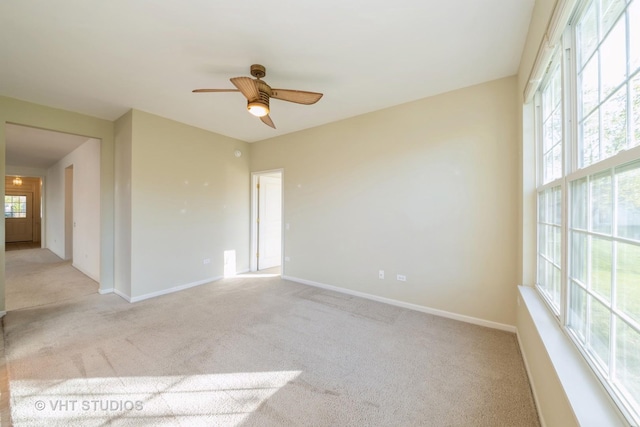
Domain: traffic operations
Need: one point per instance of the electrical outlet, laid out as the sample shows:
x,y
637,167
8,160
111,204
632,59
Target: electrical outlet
x,y
206,261
381,274
402,277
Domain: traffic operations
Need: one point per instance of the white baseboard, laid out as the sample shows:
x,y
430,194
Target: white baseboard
x,y
2,313
106,291
122,295
86,273
170,290
410,306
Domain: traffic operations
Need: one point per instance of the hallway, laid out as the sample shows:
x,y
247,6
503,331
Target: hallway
x,y
35,277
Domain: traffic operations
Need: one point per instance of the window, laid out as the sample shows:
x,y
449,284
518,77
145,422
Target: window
x,y
604,278
550,113
588,121
15,206
608,79
552,125
550,245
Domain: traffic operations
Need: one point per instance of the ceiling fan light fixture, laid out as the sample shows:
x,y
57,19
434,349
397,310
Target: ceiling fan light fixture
x,y
258,108
258,93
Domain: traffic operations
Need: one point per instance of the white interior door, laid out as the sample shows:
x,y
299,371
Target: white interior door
x,y
269,220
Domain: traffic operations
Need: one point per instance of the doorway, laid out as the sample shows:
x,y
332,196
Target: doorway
x,y
22,210
266,220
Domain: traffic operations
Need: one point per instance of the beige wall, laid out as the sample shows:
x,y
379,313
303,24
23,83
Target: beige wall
x,y
25,113
123,141
189,202
426,189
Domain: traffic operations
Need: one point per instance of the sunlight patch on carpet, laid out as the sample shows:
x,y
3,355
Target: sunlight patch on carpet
x,y
227,399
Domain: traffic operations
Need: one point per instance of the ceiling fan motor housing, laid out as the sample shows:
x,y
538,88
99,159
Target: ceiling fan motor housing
x,y
264,94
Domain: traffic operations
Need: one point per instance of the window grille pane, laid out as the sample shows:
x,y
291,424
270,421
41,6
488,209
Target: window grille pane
x,y
627,374
579,193
555,292
590,151
589,87
601,203
556,126
550,244
547,129
544,240
579,257
609,12
577,318
557,161
549,205
557,205
614,123
552,125
634,36
557,248
601,253
587,33
542,271
635,106
628,280
628,201
614,59
548,167
599,330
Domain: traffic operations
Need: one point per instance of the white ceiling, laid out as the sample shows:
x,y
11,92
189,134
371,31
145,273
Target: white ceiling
x,y
38,148
102,58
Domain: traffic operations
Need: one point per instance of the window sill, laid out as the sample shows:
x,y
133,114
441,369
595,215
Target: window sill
x,y
589,401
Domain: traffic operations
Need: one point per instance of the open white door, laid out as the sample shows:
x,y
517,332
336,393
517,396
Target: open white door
x,y
269,220
266,219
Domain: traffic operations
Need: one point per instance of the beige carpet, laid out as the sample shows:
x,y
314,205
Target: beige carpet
x,y
37,276
258,351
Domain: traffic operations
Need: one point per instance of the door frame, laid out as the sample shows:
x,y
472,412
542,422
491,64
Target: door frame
x,y
253,259
69,212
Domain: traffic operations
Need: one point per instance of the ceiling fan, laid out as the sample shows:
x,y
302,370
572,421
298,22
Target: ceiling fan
x,y
258,93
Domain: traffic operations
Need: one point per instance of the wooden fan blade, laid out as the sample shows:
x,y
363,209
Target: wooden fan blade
x,y
247,86
267,121
297,96
214,90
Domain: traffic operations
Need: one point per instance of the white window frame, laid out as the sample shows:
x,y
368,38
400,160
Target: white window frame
x,y
556,59
571,172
